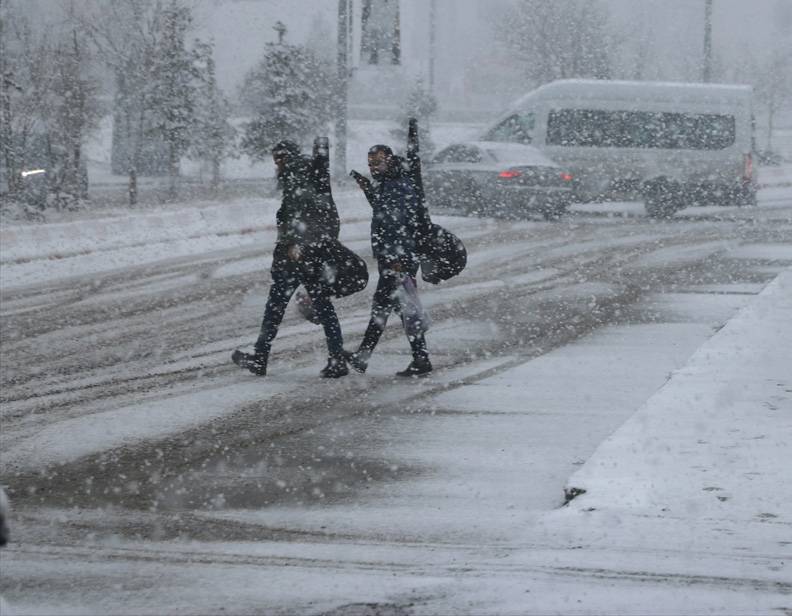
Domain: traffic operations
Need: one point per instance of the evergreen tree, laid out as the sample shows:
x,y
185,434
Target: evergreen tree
x,y
124,32
73,111
421,105
213,136
173,76
289,94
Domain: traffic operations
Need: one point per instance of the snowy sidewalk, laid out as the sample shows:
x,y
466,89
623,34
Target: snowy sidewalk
x,y
692,493
717,438
687,507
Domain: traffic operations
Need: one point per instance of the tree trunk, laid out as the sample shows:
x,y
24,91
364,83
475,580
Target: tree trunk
x,y
135,159
173,172
133,192
215,183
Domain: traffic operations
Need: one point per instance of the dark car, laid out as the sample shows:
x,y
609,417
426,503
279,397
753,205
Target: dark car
x,y
490,177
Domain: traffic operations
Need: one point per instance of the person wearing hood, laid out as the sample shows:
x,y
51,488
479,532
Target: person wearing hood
x,y
307,223
396,224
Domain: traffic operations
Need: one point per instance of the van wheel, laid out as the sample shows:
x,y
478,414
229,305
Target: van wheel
x,y
745,196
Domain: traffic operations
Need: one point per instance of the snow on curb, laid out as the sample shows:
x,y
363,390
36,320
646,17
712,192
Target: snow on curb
x,y
771,177
716,439
27,242
21,243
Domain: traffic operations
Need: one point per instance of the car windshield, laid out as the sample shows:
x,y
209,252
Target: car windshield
x,y
518,128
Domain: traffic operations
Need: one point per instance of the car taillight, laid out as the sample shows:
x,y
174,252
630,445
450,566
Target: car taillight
x,y
567,177
509,173
747,167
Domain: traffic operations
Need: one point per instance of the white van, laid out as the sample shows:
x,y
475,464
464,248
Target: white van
x,y
674,144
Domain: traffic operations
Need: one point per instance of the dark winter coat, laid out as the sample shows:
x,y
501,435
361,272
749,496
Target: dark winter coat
x,y
396,218
308,218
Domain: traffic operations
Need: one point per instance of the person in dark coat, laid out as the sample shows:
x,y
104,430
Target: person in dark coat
x,y
396,223
307,223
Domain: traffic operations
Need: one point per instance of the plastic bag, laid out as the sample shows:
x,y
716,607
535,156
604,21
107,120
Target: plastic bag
x,y
414,316
305,307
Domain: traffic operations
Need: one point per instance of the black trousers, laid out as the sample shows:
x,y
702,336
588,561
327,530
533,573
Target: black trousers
x,y
286,277
386,300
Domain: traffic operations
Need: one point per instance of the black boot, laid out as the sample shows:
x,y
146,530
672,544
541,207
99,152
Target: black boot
x,y
336,367
358,360
417,367
256,363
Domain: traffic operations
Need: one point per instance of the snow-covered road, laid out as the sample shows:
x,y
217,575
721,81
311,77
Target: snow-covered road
x,y
149,475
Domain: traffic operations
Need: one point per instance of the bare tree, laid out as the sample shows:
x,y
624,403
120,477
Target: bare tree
x,y
125,35
73,110
559,40
49,105
770,72
771,77
9,88
25,82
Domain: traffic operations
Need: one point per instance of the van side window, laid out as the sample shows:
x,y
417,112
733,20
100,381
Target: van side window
x,y
518,128
640,129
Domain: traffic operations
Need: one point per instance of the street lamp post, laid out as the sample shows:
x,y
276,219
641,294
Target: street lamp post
x,y
706,73
432,43
341,95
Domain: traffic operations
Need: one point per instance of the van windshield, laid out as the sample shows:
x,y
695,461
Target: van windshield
x,y
517,128
640,129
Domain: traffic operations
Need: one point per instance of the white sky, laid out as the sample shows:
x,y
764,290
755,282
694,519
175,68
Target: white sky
x,y
242,27
672,28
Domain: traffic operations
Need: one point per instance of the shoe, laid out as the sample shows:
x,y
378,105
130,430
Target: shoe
x,y
417,367
358,360
336,367
255,363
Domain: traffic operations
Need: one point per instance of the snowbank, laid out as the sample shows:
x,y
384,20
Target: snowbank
x,y
25,242
716,440
775,176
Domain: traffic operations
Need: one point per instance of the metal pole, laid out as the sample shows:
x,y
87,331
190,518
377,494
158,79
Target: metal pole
x,y
432,45
341,96
707,70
